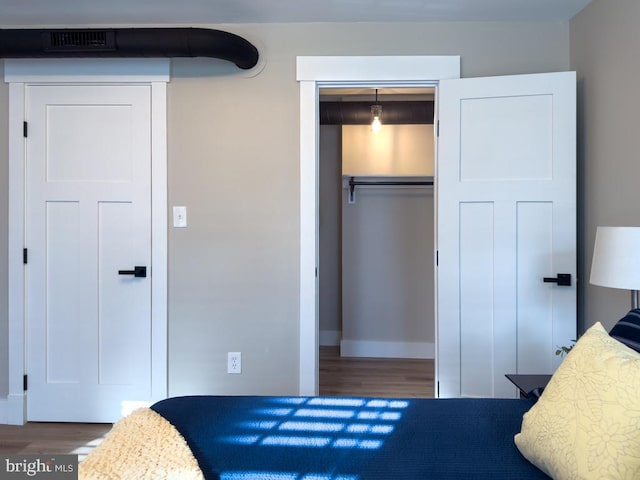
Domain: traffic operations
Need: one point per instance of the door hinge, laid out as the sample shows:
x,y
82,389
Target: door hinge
x,y
437,128
316,272
25,382
438,390
437,257
25,256
24,129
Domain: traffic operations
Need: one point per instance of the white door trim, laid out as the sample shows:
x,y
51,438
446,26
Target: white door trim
x,y
21,73
327,72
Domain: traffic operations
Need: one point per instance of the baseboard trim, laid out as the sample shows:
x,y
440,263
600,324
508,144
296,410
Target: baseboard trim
x,y
364,348
329,338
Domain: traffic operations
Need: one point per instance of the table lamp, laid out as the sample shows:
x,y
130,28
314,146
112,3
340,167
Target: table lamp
x,y
616,259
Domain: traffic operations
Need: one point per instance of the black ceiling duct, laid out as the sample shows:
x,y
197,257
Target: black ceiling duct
x,y
127,42
393,113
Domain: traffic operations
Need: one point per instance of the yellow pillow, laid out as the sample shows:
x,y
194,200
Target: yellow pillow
x,y
586,425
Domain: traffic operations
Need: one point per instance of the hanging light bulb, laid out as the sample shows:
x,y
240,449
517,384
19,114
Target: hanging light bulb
x,y
376,114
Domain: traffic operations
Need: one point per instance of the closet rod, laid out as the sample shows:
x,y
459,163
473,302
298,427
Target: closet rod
x,y
356,183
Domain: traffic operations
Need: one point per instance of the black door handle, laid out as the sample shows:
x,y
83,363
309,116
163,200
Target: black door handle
x,y
140,272
563,280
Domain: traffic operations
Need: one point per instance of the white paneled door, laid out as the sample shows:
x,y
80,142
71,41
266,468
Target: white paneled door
x,y
88,168
506,220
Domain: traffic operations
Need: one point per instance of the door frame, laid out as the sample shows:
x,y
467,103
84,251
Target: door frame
x,y
21,73
314,73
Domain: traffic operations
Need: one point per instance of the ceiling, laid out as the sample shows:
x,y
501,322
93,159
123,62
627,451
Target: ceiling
x,y
15,13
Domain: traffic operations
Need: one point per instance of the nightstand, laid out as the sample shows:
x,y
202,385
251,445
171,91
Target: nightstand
x,y
527,383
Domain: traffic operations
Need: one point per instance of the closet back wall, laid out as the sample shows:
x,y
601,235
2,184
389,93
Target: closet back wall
x,y
387,273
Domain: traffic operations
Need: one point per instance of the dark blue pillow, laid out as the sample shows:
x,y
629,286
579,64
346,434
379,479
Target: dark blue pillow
x,y
627,330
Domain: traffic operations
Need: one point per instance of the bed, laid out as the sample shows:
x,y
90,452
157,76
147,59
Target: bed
x,y
331,438
351,438
586,425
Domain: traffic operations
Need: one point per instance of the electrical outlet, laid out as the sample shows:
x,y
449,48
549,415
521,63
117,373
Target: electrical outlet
x,y
234,362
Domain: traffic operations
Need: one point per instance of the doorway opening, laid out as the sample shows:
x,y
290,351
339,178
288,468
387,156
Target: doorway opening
x,y
314,73
376,242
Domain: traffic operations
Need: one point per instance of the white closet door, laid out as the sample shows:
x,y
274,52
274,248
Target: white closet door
x,y
88,217
506,219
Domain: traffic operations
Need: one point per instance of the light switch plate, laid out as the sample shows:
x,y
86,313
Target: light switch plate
x,y
180,217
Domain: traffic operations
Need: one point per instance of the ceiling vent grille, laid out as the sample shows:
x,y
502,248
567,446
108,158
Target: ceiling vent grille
x,y
80,40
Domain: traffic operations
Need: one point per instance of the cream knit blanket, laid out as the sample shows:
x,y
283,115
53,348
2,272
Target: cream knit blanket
x,y
142,446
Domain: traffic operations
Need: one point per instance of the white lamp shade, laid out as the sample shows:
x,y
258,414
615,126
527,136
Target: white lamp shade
x,y
616,258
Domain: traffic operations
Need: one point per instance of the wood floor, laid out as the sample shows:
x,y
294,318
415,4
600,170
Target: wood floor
x,y
338,377
41,438
374,377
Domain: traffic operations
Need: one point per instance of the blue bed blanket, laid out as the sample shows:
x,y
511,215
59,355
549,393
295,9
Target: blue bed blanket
x,y
331,438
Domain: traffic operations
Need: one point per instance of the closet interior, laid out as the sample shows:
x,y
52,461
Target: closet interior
x,y
376,251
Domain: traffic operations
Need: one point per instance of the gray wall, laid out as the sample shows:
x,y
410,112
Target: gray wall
x,y
330,232
604,46
388,272
234,271
233,145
